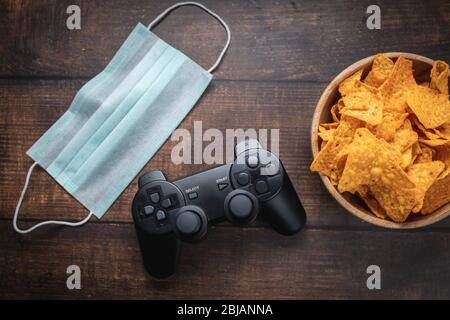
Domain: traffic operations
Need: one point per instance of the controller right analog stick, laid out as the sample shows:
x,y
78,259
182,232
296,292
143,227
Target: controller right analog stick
x,y
241,207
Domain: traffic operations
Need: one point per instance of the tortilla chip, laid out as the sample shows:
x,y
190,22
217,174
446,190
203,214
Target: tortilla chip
x,y
373,205
326,134
416,152
426,155
396,199
335,113
340,105
433,142
431,108
351,83
368,159
406,158
381,68
390,124
362,153
443,131
429,133
424,175
373,162
331,125
443,154
393,89
405,136
329,157
439,77
437,195
416,149
363,104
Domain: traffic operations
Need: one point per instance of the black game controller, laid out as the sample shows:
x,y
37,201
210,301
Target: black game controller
x,y
166,213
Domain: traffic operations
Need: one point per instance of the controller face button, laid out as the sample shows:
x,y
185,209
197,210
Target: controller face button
x,y
166,203
252,161
243,178
154,197
261,187
222,186
160,215
270,170
188,223
192,195
148,210
241,206
265,158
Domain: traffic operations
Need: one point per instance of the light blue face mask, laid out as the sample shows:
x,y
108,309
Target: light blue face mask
x,y
119,119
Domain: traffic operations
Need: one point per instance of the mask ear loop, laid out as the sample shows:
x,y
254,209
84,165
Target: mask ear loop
x,y
19,204
199,5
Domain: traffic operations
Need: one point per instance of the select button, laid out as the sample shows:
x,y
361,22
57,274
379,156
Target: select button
x,y
192,195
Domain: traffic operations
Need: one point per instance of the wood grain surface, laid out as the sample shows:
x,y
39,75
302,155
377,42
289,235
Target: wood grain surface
x,y
282,56
247,263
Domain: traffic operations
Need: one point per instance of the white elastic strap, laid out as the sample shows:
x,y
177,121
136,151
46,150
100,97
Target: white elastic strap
x,y
19,203
196,4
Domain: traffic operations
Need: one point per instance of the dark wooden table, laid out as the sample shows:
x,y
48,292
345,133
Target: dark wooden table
x,y
282,56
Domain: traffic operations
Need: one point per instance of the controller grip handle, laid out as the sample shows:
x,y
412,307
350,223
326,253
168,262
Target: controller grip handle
x,y
159,252
284,212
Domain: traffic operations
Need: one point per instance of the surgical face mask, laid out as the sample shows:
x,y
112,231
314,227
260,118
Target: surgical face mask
x,y
119,119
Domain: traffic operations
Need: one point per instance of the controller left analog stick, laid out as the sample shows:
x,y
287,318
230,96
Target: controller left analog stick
x,y
191,223
188,223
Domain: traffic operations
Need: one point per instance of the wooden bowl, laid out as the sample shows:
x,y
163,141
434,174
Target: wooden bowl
x,y
352,203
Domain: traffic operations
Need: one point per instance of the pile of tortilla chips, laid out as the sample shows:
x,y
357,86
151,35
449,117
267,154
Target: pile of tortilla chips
x,y
389,141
